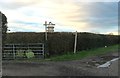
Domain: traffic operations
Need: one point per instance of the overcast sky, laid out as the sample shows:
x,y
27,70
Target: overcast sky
x,y
68,15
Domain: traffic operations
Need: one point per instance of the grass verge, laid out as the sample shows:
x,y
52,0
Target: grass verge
x,y
86,53
79,55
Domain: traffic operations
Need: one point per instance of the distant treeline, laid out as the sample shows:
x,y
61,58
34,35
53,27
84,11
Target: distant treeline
x,y
63,42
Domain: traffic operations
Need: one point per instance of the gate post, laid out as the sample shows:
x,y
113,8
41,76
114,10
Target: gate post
x,y
43,50
0,44
13,51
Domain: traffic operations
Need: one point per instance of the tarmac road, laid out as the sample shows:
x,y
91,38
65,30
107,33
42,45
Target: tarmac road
x,y
64,68
40,69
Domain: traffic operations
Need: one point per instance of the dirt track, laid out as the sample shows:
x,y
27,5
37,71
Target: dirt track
x,y
65,68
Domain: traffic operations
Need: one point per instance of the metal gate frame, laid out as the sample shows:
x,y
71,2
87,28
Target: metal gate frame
x,y
10,50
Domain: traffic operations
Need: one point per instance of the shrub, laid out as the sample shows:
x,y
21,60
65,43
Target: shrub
x,y
30,54
20,54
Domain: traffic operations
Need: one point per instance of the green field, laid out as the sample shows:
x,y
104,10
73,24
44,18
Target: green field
x,y
86,53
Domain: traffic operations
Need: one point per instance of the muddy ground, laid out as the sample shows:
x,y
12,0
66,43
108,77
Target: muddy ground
x,y
84,67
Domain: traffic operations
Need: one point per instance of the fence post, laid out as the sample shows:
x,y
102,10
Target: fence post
x,y
13,51
75,42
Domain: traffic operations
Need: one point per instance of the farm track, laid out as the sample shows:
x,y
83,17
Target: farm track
x,y
82,67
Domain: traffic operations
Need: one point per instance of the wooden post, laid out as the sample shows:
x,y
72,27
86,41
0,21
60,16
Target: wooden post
x,y
45,30
75,42
46,51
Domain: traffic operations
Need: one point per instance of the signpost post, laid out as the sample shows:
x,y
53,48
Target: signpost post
x,y
45,30
48,28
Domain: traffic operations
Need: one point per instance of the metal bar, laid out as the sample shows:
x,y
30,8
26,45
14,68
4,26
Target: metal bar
x,y
13,48
24,44
24,47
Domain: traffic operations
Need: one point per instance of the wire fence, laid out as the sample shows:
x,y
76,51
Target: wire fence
x,y
23,51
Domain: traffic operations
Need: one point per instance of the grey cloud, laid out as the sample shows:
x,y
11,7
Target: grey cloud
x,y
98,14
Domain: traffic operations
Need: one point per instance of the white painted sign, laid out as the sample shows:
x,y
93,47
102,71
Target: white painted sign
x,y
107,64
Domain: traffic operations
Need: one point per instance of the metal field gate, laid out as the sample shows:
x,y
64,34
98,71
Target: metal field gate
x,y
19,51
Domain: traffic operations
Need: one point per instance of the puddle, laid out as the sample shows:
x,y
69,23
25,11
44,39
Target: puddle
x,y
107,58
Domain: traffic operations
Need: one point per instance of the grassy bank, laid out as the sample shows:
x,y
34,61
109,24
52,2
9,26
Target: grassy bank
x,y
86,53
